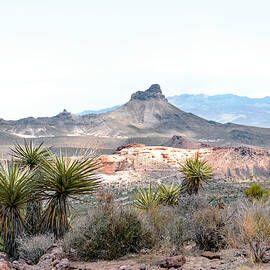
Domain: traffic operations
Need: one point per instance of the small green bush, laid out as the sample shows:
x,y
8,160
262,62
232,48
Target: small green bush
x,y
32,248
256,192
109,235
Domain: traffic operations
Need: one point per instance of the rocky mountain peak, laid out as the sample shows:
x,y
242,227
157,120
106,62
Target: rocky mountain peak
x,y
154,92
64,114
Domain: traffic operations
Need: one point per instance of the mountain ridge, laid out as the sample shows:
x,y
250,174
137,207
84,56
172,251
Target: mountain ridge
x,y
235,109
147,114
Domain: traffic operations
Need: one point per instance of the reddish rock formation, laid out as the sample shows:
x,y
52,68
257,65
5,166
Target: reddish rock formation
x,y
228,162
114,163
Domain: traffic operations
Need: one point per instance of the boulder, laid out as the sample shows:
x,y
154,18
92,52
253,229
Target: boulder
x,y
211,255
64,264
175,261
4,265
143,267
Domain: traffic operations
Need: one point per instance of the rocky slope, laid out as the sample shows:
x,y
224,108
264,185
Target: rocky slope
x,y
148,114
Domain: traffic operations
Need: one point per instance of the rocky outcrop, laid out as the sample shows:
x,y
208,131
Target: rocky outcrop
x,y
154,92
114,163
232,163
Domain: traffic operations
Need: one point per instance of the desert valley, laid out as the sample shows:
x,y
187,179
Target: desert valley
x,y
134,135
143,149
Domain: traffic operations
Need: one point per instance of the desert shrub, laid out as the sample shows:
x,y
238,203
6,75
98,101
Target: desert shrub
x,y
218,202
166,225
175,233
210,228
256,192
32,248
254,231
109,233
189,204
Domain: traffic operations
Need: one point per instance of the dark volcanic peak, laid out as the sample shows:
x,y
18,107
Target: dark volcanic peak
x,y
154,92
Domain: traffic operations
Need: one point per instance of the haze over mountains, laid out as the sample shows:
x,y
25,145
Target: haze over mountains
x,y
226,108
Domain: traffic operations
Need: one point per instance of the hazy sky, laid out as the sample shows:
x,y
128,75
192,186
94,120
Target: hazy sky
x,y
91,54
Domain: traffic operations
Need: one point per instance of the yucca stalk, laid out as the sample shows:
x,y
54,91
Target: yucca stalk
x,y
196,173
29,156
169,195
16,189
62,180
146,199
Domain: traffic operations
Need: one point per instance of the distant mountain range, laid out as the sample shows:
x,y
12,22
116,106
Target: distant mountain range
x,y
99,111
226,108
148,114
220,108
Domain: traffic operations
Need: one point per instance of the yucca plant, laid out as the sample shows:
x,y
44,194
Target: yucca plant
x,y
29,156
62,180
169,195
196,173
16,190
146,199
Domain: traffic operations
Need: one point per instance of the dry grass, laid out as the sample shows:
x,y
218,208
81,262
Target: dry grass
x,y
254,228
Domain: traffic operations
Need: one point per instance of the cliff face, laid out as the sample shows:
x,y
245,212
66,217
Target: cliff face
x,y
232,163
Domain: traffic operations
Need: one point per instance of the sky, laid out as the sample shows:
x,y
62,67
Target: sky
x,y
93,54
